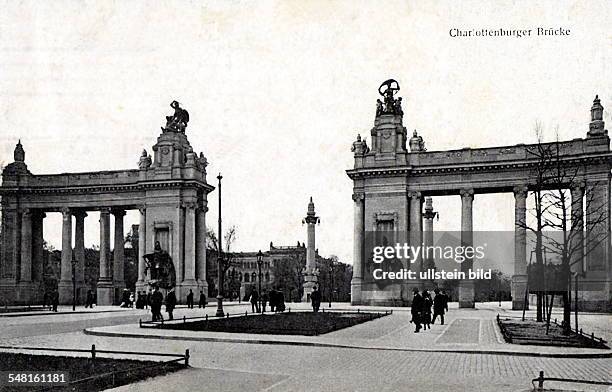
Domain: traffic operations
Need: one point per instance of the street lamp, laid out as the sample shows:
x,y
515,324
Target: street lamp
x,y
259,261
220,312
331,285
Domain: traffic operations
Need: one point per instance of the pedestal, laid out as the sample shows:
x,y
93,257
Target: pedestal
x,y
517,288
356,292
466,294
65,291
105,292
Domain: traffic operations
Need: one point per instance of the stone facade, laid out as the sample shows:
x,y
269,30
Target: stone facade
x,y
169,190
392,177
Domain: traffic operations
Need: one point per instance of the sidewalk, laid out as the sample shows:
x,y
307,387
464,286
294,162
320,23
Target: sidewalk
x,y
465,331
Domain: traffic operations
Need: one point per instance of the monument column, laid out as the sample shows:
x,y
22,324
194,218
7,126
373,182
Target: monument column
x,y
105,283
358,243
416,228
119,251
142,249
79,246
64,286
26,247
428,218
37,246
201,248
519,278
311,273
466,286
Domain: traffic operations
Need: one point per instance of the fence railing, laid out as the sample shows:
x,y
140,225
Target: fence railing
x,y
94,354
597,341
184,319
540,380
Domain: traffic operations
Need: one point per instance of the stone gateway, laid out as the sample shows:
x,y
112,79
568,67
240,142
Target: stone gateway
x,y
169,190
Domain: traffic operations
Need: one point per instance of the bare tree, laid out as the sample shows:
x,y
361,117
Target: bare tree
x,y
228,259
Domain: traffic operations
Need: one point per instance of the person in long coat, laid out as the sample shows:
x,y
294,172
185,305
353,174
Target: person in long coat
x,y
170,303
315,298
202,301
440,305
417,309
254,301
157,299
427,303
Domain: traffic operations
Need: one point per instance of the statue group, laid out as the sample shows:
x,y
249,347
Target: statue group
x,y
391,105
178,121
159,267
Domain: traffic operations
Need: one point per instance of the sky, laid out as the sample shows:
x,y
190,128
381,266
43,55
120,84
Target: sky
x,y
277,92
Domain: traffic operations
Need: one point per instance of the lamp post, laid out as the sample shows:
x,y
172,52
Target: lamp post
x,y
220,312
259,261
73,263
331,284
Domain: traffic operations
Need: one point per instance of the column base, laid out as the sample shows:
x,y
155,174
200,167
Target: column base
x,y
517,289
105,292
183,290
308,289
356,291
203,286
65,291
466,294
27,293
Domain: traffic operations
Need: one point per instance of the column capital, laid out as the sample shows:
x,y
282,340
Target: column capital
x,y
520,191
26,211
80,214
105,210
578,187
66,212
415,195
358,196
190,205
142,209
467,193
118,212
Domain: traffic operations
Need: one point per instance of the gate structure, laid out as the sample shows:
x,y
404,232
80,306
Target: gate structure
x,y
391,181
169,190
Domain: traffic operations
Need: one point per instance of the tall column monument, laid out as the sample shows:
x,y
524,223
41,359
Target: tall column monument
x,y
311,272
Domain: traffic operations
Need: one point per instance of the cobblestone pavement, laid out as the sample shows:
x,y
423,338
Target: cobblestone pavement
x,y
255,367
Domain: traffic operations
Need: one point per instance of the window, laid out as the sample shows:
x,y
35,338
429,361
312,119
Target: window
x,y
246,278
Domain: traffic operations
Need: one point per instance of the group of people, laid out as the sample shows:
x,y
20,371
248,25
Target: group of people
x,y
275,298
421,308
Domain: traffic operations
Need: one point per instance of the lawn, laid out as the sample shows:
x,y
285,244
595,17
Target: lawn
x,y
288,323
80,368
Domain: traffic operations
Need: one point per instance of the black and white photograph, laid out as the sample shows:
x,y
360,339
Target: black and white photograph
x,y
279,195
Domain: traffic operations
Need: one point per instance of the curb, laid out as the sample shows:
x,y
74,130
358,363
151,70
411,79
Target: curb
x,y
87,331
50,313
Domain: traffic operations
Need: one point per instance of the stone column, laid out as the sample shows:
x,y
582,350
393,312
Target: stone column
x,y
358,243
577,229
189,281
119,251
64,286
416,227
79,246
519,278
142,249
37,247
105,283
466,286
26,246
428,218
597,225
201,248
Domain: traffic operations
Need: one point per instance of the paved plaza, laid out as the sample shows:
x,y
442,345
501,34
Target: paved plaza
x,y
383,355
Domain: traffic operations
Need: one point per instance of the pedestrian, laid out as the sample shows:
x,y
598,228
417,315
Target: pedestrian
x,y
416,309
272,298
280,301
170,303
148,299
131,300
427,303
254,301
202,301
315,298
264,300
55,300
190,299
89,300
156,303
440,304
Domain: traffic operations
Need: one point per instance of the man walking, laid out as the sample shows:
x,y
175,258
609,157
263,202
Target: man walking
x,y
156,303
315,298
170,303
440,305
254,301
416,309
202,301
190,299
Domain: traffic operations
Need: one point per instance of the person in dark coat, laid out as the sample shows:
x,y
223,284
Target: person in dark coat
x,y
157,299
55,300
315,298
89,300
254,301
264,300
417,309
202,301
440,304
427,303
280,301
272,298
148,300
170,303
190,299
